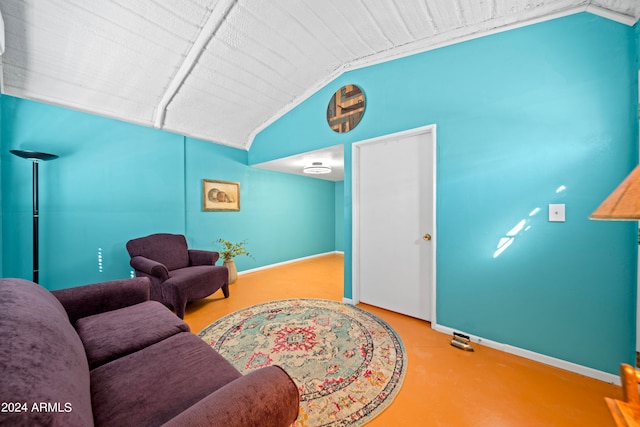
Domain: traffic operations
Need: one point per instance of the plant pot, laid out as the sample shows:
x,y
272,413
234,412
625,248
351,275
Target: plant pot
x,y
233,273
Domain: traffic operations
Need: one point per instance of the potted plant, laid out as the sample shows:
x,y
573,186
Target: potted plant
x,y
229,252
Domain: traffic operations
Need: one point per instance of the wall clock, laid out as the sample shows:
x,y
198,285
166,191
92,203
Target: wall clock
x,y
346,108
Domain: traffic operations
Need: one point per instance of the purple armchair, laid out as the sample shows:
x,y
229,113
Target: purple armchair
x,y
178,274
104,355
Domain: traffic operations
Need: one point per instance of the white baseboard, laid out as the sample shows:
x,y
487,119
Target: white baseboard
x,y
264,267
527,354
347,301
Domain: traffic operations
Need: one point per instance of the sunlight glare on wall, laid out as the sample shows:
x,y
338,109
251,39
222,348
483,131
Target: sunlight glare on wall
x,y
511,235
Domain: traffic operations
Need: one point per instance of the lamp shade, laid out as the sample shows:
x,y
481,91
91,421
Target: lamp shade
x,y
33,155
624,202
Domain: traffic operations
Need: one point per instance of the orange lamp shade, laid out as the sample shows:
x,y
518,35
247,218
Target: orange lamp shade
x,y
624,202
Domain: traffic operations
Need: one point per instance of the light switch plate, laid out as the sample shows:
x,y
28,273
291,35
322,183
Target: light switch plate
x,y
556,213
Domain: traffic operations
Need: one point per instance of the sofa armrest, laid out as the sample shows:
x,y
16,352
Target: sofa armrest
x,y
263,398
199,257
83,301
150,267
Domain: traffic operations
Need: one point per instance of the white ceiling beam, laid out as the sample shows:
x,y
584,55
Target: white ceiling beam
x,y
610,14
217,17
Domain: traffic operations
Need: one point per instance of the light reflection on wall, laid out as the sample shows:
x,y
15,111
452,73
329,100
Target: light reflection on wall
x,y
522,226
507,241
99,260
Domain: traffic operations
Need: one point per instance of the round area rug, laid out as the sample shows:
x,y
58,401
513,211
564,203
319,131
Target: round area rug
x,y
348,363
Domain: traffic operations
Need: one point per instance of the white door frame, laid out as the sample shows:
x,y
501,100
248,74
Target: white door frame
x,y
355,214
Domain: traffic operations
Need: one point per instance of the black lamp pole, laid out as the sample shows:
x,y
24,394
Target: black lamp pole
x,y
35,157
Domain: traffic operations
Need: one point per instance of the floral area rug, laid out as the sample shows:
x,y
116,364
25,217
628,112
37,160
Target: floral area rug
x,y
348,363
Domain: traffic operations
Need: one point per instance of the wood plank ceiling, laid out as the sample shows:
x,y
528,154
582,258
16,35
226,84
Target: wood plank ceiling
x,y
221,70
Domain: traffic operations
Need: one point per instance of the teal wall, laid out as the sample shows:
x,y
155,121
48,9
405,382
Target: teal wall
x,y
637,28
282,216
537,115
339,213
115,181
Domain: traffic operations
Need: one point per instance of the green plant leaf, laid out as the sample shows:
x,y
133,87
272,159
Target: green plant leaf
x,y
231,250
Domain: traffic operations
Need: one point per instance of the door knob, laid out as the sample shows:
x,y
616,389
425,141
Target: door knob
x,y
427,237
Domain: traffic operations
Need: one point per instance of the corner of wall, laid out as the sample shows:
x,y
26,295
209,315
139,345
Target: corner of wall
x,y
637,45
339,216
1,208
637,88
637,29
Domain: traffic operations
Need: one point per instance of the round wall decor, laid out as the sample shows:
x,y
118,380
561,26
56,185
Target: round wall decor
x,y
346,108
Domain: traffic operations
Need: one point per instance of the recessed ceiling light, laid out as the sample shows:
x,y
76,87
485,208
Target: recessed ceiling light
x,y
316,168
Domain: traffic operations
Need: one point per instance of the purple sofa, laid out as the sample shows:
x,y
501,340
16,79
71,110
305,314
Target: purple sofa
x,y
106,355
178,274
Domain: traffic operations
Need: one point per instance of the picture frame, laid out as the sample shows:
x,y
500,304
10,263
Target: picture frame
x,y
218,196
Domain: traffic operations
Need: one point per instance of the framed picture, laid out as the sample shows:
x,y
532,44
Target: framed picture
x,y
220,195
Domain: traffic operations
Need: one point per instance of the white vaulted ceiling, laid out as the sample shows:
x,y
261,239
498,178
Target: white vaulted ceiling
x,y
221,70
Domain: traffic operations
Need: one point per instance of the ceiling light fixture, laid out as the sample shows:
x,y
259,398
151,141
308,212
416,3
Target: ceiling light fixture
x,y
317,168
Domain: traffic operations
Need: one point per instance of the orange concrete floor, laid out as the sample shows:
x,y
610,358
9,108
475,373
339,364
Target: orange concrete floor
x,y
444,386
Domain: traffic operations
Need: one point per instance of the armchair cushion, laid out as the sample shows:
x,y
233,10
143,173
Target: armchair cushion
x,y
113,334
158,398
198,281
167,249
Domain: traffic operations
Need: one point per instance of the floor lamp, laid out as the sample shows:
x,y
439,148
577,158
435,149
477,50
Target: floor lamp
x,y
35,157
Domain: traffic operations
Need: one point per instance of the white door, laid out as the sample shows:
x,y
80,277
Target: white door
x,y
394,222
